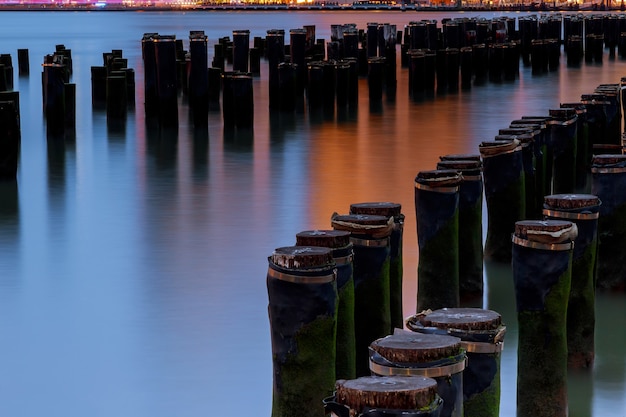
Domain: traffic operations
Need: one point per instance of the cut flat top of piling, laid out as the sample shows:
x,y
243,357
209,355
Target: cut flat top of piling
x,y
460,157
546,231
327,238
439,177
462,318
302,257
382,208
462,165
608,160
571,201
390,392
497,147
408,347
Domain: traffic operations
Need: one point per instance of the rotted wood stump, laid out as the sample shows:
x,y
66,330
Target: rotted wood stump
x,y
401,396
440,357
482,336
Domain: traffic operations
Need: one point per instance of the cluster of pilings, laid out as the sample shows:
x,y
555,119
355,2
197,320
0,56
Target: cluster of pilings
x,y
113,85
59,95
551,185
339,291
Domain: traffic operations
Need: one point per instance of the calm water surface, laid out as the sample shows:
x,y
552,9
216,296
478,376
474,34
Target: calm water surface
x,y
132,265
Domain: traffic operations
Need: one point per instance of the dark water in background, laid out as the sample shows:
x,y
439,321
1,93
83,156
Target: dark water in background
x,y
132,266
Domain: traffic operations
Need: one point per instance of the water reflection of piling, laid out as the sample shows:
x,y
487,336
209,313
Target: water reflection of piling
x,y
542,261
302,292
343,255
372,315
437,215
583,210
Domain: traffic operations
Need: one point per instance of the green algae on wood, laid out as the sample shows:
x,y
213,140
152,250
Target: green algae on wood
x,y
581,209
482,335
542,267
437,215
390,210
608,174
342,251
470,223
302,292
372,314
503,175
424,355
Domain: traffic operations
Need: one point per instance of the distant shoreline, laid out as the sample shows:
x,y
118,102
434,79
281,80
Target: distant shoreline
x,y
544,7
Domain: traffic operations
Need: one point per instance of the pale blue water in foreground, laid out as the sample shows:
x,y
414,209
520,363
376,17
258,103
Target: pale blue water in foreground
x,y
132,267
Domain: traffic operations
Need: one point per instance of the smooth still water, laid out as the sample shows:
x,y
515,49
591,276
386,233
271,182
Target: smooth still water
x,y
132,266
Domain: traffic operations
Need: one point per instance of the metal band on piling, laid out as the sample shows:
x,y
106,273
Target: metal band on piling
x,y
546,246
435,372
482,347
299,279
447,190
570,216
372,243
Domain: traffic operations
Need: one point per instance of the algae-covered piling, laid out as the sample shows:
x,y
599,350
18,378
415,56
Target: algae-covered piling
x,y
302,292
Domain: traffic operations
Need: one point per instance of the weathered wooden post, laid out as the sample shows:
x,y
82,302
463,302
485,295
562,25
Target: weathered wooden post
x,y
23,62
199,78
10,138
343,255
167,91
503,175
148,53
392,211
470,223
583,210
241,50
302,292
372,315
437,215
410,354
542,267
526,139
297,51
564,135
275,55
376,78
608,182
482,336
396,395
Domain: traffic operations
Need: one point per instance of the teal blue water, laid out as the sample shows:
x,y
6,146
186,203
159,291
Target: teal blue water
x,y
132,265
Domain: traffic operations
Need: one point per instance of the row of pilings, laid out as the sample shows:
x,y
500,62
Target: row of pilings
x,y
566,171
305,73
559,225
